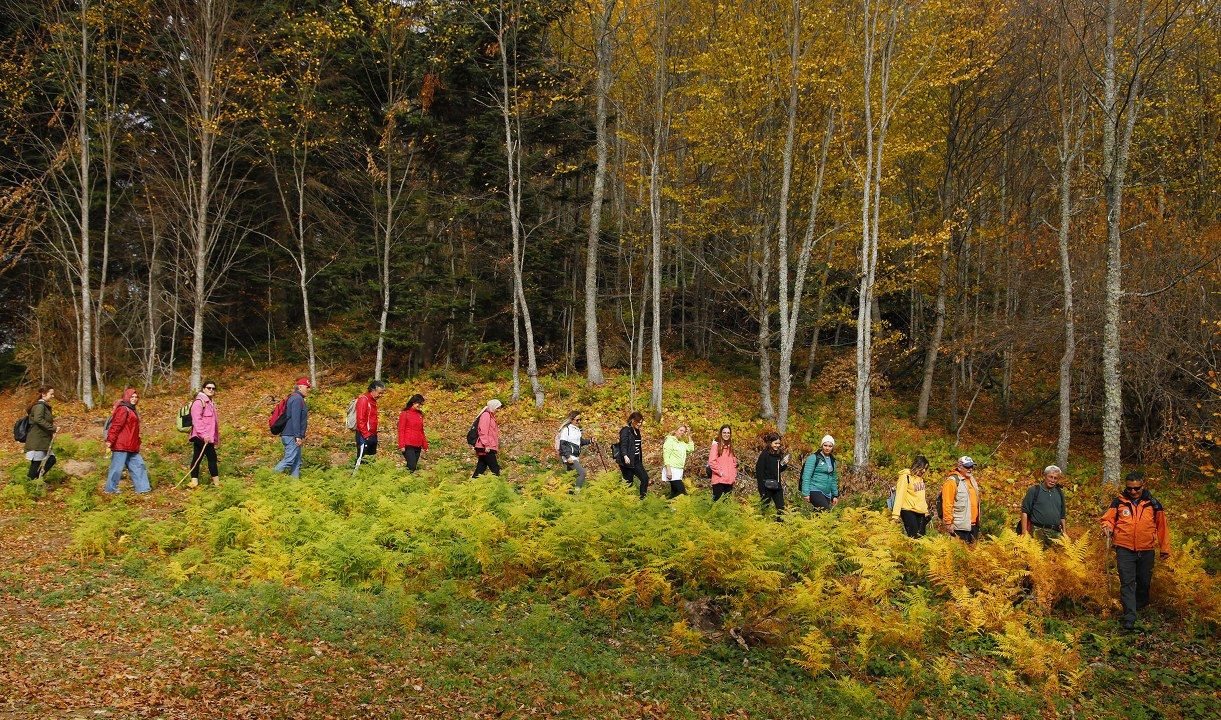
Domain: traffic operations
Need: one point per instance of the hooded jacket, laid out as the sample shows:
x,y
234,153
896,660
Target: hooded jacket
x,y
42,427
489,431
724,465
124,433
204,423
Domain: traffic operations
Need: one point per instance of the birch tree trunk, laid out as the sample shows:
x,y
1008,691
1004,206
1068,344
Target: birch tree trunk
x,y
510,114
790,308
660,127
603,58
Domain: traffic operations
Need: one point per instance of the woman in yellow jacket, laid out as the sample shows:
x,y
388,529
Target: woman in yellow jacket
x,y
911,504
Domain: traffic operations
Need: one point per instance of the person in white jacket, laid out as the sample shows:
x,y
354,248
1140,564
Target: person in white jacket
x,y
568,443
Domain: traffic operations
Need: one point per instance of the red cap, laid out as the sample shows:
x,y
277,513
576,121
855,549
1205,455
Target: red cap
x,y
304,381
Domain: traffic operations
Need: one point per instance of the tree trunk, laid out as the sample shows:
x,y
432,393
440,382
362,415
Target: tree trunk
x,y
603,59
934,342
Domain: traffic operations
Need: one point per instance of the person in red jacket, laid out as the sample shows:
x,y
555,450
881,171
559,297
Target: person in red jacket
x,y
1135,524
412,442
366,421
123,442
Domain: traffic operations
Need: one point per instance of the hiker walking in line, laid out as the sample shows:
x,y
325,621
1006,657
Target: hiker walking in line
x,y
1135,525
631,453
674,459
960,501
820,476
1043,510
205,433
487,439
296,417
366,421
722,463
42,430
771,463
412,442
568,444
123,442
911,503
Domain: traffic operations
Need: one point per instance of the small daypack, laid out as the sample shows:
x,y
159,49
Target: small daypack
x,y
890,501
472,435
617,453
184,423
279,418
21,428
349,416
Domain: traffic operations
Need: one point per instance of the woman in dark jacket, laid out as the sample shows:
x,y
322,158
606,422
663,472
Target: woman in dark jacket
x,y
42,429
631,464
412,442
772,461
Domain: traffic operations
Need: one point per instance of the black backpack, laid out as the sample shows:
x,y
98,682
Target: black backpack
x,y
472,435
21,429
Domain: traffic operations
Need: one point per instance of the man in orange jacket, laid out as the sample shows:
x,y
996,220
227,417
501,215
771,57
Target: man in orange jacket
x,y
1136,526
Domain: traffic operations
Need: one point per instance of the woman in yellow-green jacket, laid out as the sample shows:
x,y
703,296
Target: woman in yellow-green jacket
x,y
911,504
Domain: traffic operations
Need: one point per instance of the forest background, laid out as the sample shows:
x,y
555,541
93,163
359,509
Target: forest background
x,y
932,214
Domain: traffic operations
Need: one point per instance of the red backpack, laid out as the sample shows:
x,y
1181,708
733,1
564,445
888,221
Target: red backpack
x,y
278,418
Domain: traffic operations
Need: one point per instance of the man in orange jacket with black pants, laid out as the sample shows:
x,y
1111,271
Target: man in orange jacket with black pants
x,y
1136,526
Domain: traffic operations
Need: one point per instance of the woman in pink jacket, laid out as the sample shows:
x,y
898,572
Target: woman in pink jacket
x,y
488,442
205,433
722,463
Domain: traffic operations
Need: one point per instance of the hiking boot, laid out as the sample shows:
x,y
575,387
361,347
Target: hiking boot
x,y
194,483
215,482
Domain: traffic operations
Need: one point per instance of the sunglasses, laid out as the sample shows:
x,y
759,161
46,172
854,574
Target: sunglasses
x,y
1134,488
210,387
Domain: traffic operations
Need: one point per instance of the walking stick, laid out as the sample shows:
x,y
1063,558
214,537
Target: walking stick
x,y
597,448
50,444
193,465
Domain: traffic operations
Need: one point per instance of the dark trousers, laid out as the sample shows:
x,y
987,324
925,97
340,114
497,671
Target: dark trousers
x,y
719,489
487,461
968,535
677,488
201,449
914,523
412,456
1135,573
773,496
369,443
634,472
819,501
42,467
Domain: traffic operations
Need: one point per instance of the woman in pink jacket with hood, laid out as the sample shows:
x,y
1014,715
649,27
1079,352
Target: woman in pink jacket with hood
x,y
205,433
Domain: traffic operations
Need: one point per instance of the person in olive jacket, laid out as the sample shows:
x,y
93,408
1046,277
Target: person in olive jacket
x,y
38,438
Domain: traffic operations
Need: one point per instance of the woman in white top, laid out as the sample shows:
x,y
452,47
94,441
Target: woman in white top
x,y
568,444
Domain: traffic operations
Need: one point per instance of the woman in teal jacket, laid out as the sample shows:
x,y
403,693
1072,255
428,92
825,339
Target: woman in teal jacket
x,y
820,477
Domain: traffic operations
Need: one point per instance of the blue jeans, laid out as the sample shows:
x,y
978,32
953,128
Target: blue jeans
x,y
135,468
292,457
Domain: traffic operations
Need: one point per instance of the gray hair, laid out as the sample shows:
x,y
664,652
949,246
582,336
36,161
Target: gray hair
x,y
1052,469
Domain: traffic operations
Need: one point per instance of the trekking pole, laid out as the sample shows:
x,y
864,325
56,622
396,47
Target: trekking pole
x,y
193,465
50,444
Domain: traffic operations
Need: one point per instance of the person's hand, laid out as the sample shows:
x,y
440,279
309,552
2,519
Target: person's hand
x,y
949,528
1107,531
1165,556
835,501
299,441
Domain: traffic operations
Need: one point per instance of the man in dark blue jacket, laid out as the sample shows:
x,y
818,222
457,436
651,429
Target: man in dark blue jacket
x,y
293,435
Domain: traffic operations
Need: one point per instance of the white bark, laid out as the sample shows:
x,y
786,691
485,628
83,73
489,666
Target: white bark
x,y
790,308
603,56
660,128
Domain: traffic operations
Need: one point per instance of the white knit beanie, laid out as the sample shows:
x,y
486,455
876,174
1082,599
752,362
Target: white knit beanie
x,y
494,404
827,439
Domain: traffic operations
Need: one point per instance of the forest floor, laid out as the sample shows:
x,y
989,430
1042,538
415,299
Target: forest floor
x,y
116,628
